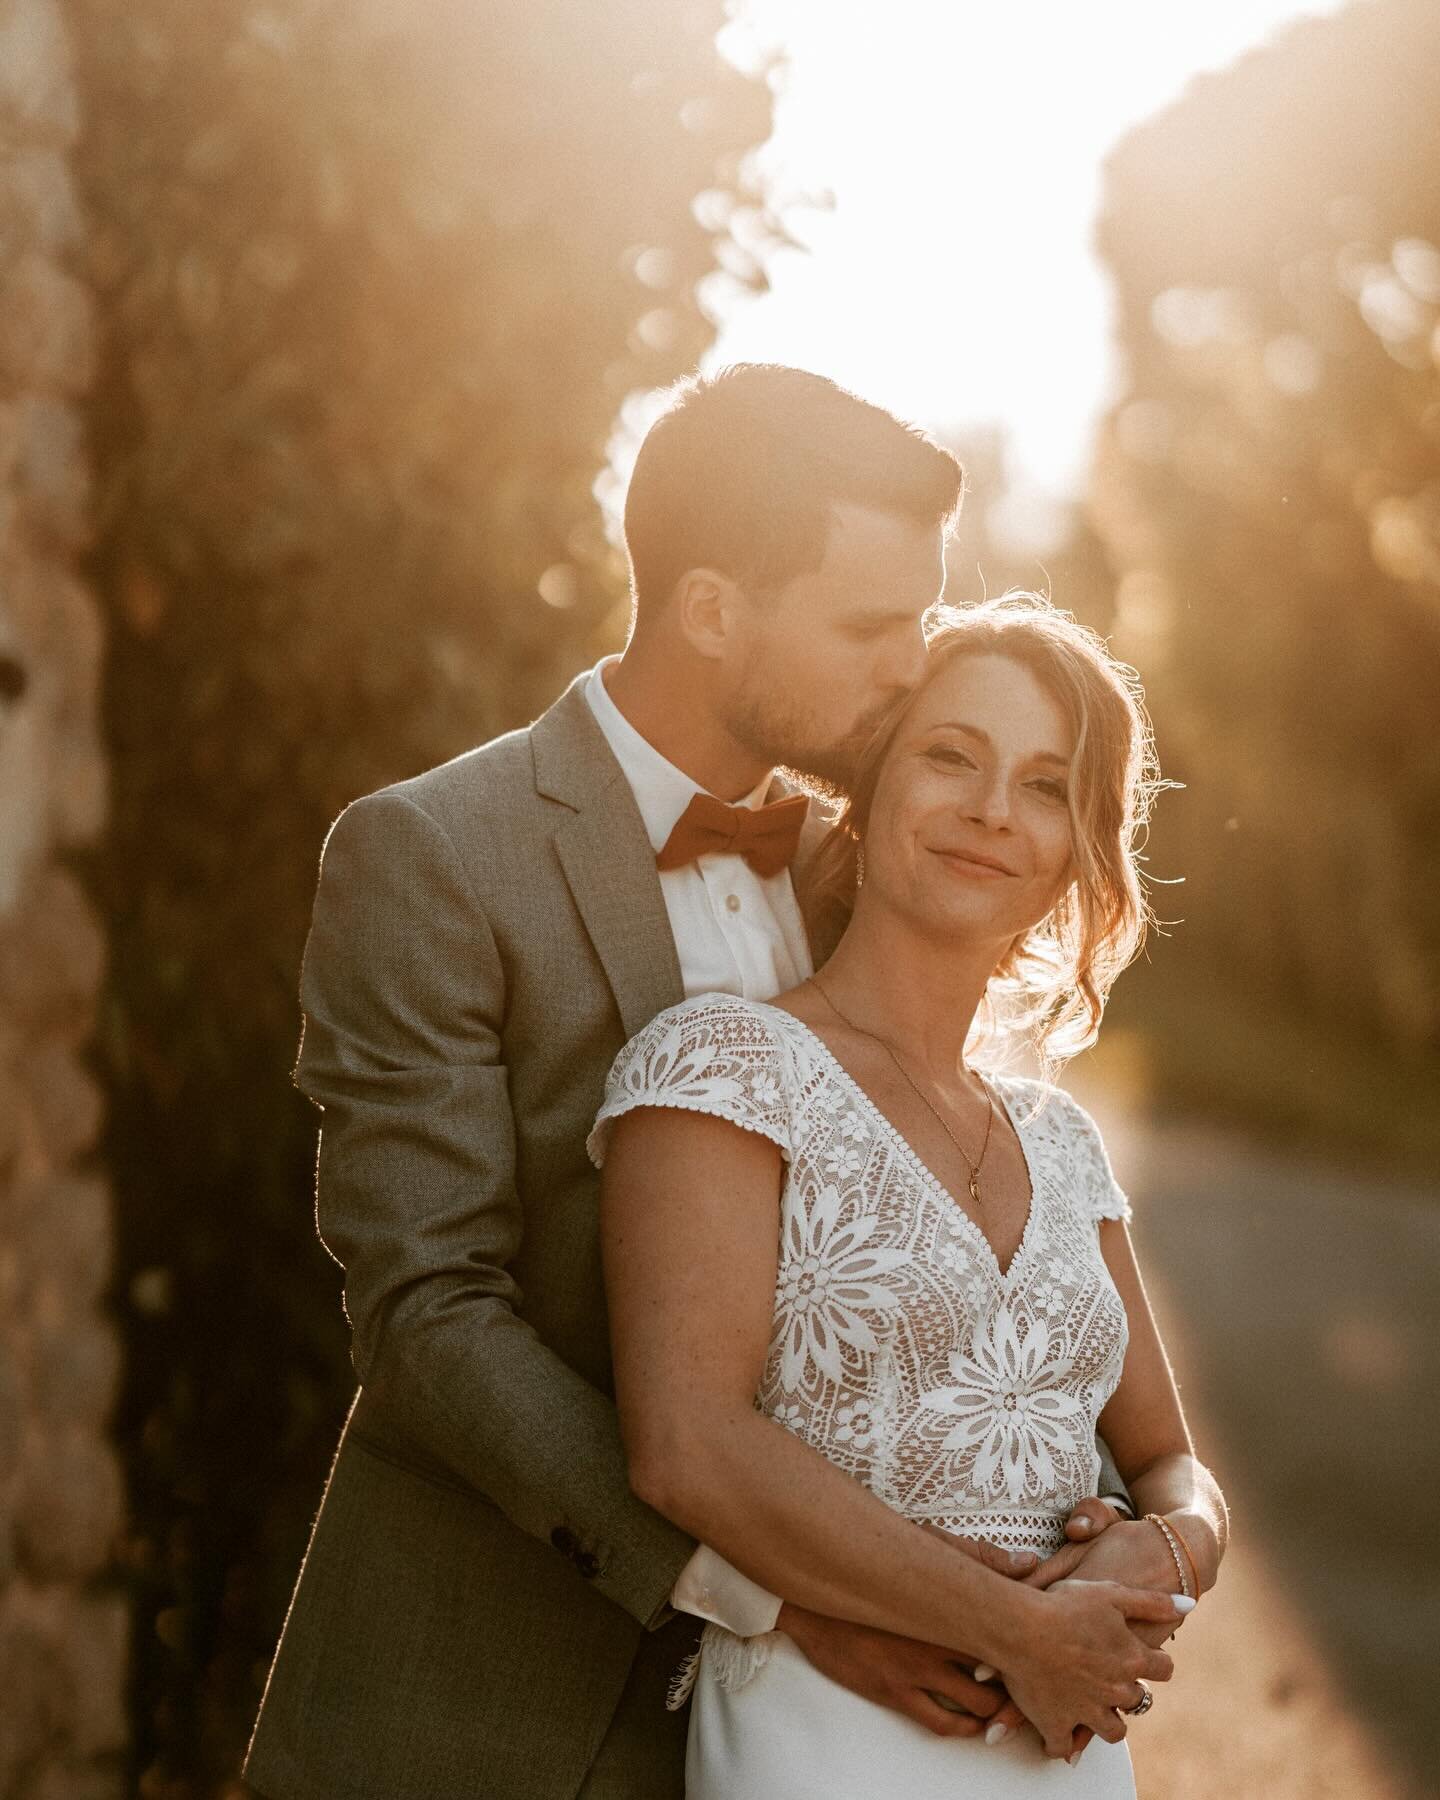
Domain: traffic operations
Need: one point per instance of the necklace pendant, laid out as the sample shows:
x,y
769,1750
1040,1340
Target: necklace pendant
x,y
975,1187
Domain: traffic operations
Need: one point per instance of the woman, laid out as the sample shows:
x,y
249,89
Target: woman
x,y
857,1282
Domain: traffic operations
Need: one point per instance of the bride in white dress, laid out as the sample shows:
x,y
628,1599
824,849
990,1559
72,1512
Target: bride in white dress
x,y
857,1285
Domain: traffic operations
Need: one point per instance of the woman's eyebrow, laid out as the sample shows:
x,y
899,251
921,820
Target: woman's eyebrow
x,y
983,737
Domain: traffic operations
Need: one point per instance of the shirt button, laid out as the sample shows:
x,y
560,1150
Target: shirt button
x,y
732,902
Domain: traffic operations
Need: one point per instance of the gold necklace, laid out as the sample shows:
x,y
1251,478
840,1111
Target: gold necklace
x,y
891,1052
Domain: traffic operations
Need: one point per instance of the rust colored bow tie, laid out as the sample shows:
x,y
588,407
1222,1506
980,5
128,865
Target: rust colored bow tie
x,y
766,836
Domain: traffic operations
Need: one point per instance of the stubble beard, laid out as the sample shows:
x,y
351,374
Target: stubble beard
x,y
773,731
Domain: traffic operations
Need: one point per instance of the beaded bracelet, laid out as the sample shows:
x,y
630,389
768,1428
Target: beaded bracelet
x,y
1172,1542
1179,1536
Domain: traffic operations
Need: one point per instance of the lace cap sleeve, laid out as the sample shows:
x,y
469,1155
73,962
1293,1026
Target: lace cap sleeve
x,y
1101,1194
714,1054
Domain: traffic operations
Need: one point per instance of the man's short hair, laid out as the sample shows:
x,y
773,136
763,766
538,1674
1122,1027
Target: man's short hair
x,y
741,471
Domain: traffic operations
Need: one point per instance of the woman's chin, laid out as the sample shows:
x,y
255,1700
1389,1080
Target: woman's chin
x,y
961,924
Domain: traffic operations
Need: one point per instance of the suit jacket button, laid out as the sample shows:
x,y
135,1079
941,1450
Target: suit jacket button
x,y
587,1565
563,1538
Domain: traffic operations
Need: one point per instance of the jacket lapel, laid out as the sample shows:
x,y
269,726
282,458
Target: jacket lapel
x,y
606,856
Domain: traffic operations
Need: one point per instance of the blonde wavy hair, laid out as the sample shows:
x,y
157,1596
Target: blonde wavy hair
x,y
1051,984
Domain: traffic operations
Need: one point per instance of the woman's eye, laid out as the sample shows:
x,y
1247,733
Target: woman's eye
x,y
949,757
1053,790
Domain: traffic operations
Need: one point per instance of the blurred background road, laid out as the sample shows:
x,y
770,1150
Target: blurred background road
x,y
1298,1300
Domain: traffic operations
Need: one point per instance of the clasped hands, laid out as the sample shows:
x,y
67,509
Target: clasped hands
x,y
938,1688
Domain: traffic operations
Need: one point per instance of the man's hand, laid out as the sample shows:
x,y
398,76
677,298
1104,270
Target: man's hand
x,y
1089,1519
895,1671
927,1683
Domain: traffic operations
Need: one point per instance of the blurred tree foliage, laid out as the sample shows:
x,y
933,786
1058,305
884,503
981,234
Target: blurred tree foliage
x,y
1008,538
1270,490
376,278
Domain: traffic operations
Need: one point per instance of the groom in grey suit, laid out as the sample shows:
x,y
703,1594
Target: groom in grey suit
x,y
485,1608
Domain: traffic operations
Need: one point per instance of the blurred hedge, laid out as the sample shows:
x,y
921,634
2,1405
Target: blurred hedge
x,y
375,279
1268,488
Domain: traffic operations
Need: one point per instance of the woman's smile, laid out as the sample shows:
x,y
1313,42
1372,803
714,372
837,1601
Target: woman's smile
x,y
975,864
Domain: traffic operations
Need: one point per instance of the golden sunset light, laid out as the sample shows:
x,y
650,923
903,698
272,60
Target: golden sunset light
x,y
719,817
954,275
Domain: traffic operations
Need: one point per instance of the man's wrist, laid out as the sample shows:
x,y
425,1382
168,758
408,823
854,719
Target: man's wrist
x,y
790,1618
710,1587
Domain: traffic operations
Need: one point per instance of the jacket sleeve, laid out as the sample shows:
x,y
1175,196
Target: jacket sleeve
x,y
1110,1484
403,994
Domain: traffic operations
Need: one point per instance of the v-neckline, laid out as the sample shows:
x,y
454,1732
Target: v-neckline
x,y
951,1205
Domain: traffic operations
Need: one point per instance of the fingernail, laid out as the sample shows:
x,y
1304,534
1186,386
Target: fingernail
x,y
1081,1524
1184,1603
983,1672
1018,1558
996,1732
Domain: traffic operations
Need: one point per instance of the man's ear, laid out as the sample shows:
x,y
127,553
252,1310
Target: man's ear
x,y
706,604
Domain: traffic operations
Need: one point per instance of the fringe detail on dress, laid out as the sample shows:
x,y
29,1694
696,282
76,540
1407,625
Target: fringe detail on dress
x,y
734,1661
682,1682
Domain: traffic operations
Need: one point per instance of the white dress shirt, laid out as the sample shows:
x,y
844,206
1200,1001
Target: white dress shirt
x,y
735,932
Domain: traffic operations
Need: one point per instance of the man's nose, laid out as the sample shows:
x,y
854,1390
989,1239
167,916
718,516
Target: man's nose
x,y
906,664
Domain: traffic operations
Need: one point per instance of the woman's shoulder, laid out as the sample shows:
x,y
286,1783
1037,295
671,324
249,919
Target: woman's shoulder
x,y
1026,1094
719,1012
718,1022
1029,1098
715,1053
1056,1128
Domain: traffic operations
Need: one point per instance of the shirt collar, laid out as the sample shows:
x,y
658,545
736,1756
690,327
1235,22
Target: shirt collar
x,y
662,792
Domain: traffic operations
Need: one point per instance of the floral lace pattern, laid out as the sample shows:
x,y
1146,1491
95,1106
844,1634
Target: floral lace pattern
x,y
958,1393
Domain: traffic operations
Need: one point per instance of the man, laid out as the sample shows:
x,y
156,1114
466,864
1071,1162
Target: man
x,y
485,1608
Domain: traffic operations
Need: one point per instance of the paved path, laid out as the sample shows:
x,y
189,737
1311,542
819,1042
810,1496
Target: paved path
x,y
1300,1305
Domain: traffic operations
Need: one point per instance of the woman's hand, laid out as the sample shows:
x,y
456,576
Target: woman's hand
x,y
1085,1524
1090,1521
1112,1550
1131,1551
1078,1657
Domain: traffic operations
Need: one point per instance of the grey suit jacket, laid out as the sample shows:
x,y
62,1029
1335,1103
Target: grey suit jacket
x,y
479,1579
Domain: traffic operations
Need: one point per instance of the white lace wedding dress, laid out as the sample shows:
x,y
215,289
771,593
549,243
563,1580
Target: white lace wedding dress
x,y
957,1392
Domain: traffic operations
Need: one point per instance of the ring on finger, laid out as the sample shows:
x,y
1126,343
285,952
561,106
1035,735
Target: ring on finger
x,y
1142,1705
944,1700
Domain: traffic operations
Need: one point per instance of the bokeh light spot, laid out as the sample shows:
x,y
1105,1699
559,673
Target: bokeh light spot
x,y
1417,263
559,586
1292,364
1189,317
